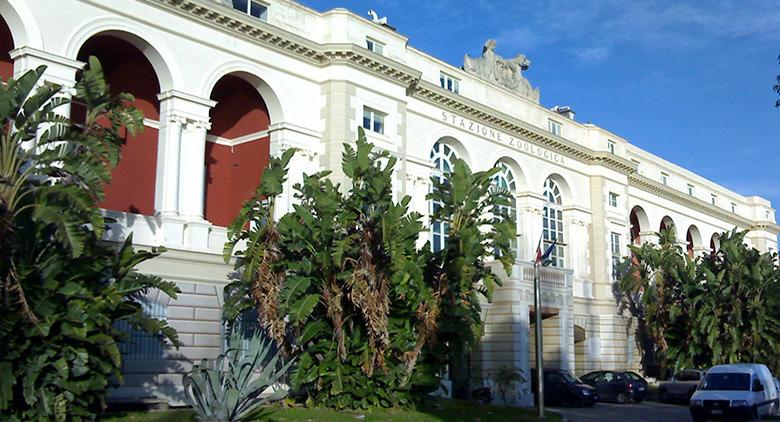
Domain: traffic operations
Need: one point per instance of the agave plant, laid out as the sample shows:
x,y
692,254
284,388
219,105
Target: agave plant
x,y
233,386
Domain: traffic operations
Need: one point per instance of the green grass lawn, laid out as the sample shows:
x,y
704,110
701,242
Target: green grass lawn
x,y
443,410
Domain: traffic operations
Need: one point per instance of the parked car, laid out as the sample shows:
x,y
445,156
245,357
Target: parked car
x,y
619,386
736,391
561,388
681,386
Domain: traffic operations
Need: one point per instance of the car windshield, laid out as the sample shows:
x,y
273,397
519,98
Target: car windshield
x,y
570,378
726,381
633,376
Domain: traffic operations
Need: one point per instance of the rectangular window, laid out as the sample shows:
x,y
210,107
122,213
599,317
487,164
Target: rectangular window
x,y
690,189
615,248
555,127
768,215
665,178
252,8
611,147
375,46
449,83
552,229
373,120
613,199
733,207
714,199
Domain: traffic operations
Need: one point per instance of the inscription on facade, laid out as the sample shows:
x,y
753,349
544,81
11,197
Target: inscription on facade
x,y
500,137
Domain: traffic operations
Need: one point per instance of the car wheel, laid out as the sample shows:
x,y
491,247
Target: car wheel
x,y
621,398
663,396
754,414
639,399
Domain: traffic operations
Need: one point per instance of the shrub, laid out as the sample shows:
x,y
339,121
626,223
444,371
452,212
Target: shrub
x,y
341,283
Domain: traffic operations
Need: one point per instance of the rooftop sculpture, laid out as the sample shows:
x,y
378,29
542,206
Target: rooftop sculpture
x,y
506,73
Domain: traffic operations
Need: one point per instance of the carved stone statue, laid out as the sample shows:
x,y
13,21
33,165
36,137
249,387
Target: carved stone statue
x,y
506,73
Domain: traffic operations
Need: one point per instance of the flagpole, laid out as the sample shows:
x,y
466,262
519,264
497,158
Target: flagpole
x,y
538,332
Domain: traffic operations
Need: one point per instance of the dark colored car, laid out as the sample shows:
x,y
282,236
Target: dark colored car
x,y
617,386
561,388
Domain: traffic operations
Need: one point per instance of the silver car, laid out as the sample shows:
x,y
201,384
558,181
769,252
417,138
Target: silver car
x,y
681,386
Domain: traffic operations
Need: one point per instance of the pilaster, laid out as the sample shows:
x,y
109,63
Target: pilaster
x,y
306,143
340,119
529,215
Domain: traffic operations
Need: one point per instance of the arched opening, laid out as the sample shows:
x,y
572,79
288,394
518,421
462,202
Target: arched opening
x,y
127,69
689,244
638,220
693,240
715,243
237,150
6,45
668,224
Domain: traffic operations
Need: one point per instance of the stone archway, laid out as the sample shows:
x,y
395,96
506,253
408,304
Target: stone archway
x,y
237,150
127,69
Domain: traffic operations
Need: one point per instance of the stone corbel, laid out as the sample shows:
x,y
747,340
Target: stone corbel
x,y
191,123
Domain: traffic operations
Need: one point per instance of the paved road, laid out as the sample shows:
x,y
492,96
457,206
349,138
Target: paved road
x,y
640,412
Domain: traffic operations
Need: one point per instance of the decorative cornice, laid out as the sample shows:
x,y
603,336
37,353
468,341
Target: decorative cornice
x,y
241,24
677,197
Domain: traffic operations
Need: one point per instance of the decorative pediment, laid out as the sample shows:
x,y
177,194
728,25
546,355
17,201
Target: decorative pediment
x,y
506,73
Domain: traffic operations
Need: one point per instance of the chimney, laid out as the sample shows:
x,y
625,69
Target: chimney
x,y
565,111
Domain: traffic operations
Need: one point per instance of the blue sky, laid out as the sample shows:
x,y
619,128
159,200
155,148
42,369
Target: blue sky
x,y
687,80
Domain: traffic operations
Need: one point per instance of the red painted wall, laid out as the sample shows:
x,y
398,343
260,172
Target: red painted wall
x,y
233,173
6,45
127,70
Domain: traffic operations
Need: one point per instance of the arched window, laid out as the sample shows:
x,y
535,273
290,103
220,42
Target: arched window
x,y
505,180
552,222
442,156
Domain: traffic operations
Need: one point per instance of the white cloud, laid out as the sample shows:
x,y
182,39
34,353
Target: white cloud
x,y
590,28
592,55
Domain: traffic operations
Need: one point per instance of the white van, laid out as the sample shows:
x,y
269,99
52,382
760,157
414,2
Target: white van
x,y
736,391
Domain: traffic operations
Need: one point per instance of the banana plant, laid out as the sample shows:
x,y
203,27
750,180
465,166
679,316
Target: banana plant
x,y
62,288
236,384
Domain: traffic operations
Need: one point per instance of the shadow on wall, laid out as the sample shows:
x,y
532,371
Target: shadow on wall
x,y
151,367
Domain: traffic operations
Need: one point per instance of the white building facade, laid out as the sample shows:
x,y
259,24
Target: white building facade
x,y
226,84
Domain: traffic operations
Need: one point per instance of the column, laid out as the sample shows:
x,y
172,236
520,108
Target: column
x,y
566,317
192,161
580,245
179,194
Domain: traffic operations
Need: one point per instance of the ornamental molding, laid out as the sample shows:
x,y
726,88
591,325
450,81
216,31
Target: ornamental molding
x,y
677,197
440,97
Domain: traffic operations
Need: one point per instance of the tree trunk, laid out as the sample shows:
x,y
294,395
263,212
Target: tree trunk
x,y
459,370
